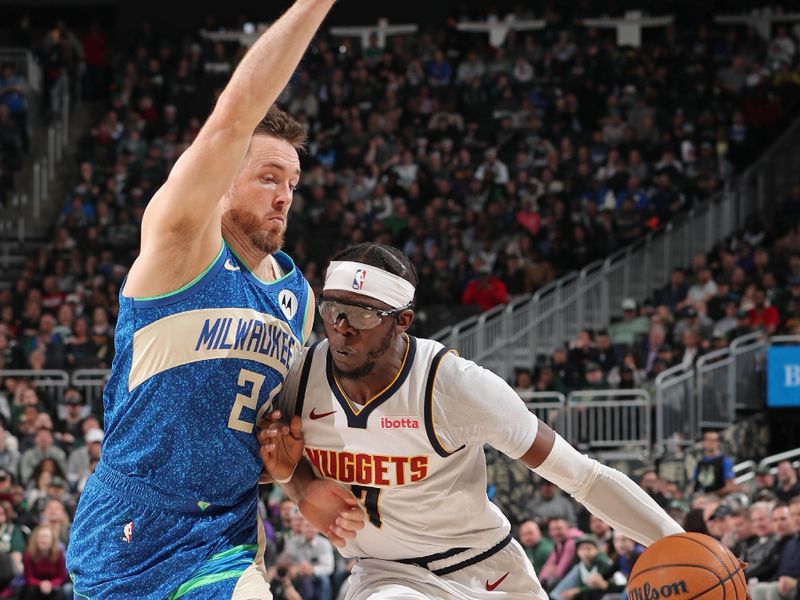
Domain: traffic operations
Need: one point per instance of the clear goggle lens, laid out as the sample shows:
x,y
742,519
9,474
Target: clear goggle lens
x,y
358,317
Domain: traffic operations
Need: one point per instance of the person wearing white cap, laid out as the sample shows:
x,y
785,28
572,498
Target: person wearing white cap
x,y
403,422
631,326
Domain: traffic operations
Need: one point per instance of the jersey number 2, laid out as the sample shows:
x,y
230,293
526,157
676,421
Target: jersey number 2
x,y
249,400
370,497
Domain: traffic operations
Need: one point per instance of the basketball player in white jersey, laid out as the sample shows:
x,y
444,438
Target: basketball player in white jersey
x,y
403,422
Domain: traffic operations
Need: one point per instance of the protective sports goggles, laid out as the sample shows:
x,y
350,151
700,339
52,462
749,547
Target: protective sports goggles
x,y
357,315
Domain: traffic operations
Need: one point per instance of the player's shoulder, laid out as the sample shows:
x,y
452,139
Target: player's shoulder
x,y
449,369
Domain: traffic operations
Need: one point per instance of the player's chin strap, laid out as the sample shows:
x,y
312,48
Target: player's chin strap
x,y
607,493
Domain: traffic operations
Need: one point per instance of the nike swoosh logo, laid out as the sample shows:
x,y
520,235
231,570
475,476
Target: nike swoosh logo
x,y
490,586
231,266
314,416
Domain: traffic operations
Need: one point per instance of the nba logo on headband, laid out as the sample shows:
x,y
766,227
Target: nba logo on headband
x,y
358,280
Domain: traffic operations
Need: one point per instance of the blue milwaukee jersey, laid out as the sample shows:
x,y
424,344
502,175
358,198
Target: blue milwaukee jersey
x,y
194,372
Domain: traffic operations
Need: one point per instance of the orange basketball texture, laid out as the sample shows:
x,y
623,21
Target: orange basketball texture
x,y
687,566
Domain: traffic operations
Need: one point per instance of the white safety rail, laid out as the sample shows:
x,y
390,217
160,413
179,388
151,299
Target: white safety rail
x,y
747,376
590,298
91,382
50,382
716,389
745,471
676,412
610,422
25,63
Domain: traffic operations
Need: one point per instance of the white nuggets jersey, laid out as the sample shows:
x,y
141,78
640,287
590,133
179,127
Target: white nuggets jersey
x,y
414,453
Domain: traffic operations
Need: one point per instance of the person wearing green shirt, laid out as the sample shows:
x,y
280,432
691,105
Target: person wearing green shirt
x,y
537,547
584,577
631,326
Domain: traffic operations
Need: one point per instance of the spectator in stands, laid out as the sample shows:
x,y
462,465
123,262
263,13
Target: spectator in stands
x,y
44,566
787,486
759,553
784,530
764,481
561,560
783,585
12,545
703,289
43,449
580,582
485,290
314,555
565,372
602,534
763,316
81,458
740,532
55,516
14,95
69,433
647,351
9,453
691,346
537,547
714,472
549,503
547,381
615,578
593,378
631,326
653,485
604,353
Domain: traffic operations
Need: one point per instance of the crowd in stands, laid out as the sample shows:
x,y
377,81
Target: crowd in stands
x,y
495,170
749,283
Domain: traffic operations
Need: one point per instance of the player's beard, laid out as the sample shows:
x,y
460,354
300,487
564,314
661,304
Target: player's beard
x,y
265,240
369,364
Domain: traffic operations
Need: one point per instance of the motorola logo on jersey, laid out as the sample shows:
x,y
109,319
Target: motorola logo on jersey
x,y
288,303
358,279
399,423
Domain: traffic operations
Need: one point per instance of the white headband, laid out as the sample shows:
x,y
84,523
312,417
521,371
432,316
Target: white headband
x,y
368,280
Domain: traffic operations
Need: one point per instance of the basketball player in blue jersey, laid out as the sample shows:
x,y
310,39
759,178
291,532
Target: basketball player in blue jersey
x,y
403,421
211,316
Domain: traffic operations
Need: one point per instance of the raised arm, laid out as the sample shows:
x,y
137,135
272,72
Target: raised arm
x,y
181,231
606,492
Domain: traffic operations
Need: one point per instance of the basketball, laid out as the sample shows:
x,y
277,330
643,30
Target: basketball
x,y
687,566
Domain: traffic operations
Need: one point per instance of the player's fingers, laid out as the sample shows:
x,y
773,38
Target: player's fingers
x,y
296,428
352,520
345,534
335,539
272,417
266,455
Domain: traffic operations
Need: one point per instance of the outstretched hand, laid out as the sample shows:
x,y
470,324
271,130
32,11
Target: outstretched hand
x,y
281,445
332,510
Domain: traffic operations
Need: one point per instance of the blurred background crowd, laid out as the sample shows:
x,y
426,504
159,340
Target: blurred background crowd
x,y
496,170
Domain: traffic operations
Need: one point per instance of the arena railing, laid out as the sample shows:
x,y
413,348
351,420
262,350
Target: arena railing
x,y
592,297
745,471
610,422
676,413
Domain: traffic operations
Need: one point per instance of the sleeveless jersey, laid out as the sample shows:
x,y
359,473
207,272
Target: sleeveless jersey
x,y
194,370
414,453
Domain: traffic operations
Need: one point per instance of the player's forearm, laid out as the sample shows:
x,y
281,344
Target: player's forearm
x,y
303,475
607,493
266,68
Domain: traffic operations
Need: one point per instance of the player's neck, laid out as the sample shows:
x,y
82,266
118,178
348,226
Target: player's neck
x,y
361,390
257,261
